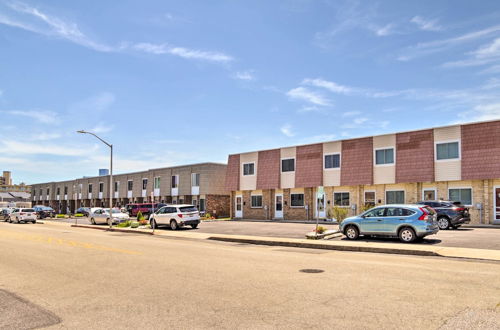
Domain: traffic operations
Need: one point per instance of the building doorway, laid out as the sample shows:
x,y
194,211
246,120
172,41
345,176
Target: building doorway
x,y
238,208
320,207
278,206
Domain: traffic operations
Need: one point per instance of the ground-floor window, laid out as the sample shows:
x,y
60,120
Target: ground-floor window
x,y
429,194
341,198
462,195
369,198
395,197
297,200
257,201
202,204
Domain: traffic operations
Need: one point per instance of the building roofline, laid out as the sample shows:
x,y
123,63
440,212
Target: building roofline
x,y
368,136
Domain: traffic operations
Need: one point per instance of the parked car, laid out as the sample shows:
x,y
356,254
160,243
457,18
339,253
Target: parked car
x,y
449,214
176,216
23,215
44,211
408,222
6,214
83,210
145,208
101,215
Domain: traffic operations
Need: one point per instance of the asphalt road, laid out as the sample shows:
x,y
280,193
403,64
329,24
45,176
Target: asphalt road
x,y
81,278
478,238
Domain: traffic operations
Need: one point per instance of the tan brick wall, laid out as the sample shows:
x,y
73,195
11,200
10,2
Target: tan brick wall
x,y
217,203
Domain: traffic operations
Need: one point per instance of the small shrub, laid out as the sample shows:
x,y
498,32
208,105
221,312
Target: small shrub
x,y
143,222
134,224
340,213
320,230
124,224
208,216
78,215
60,216
140,216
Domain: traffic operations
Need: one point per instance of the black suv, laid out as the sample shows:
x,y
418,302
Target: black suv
x,y
449,214
44,212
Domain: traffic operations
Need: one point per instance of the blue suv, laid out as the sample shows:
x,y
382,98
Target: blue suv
x,y
408,222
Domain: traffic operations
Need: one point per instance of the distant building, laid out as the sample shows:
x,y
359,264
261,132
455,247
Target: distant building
x,y
103,172
13,194
5,179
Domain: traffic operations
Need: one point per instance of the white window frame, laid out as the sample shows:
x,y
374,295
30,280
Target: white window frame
x,y
364,196
387,190
177,179
341,192
194,175
466,187
128,181
142,183
333,168
294,164
155,180
297,207
243,169
451,159
384,148
431,188
262,201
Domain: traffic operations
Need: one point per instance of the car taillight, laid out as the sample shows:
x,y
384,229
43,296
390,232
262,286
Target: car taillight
x,y
179,215
459,208
22,213
425,215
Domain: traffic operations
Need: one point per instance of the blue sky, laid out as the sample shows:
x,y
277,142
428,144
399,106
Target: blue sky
x,y
177,82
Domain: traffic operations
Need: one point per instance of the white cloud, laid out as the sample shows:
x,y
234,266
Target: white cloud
x,y
102,128
45,136
94,104
385,30
490,50
482,112
308,109
25,148
491,70
426,24
485,54
304,94
357,122
351,113
244,75
160,49
45,117
329,85
287,130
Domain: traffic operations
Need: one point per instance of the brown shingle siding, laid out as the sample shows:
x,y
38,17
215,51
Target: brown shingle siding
x,y
233,173
357,162
268,169
415,156
481,151
309,166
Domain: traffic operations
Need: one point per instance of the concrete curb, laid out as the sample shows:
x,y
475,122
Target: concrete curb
x,y
114,229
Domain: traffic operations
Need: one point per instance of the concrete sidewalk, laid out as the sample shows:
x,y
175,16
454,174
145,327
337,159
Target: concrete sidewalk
x,y
357,246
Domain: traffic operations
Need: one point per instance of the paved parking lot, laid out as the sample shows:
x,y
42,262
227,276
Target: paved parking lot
x,y
479,238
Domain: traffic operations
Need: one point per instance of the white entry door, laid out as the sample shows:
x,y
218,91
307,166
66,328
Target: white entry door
x,y
320,207
238,207
278,206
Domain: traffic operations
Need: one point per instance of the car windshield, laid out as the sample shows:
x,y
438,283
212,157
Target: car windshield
x,y
188,209
115,211
28,210
47,209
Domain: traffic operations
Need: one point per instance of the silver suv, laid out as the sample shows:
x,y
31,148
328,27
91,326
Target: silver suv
x,y
176,216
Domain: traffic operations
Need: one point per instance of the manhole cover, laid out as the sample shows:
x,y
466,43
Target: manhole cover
x,y
311,271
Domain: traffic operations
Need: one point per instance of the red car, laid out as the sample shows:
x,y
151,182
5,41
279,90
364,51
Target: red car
x,y
145,208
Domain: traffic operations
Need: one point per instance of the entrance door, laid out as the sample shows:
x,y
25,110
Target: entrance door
x,y
238,207
278,206
496,217
320,207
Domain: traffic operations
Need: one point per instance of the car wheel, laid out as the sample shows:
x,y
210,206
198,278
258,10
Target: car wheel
x,y
92,221
194,226
443,223
407,235
33,222
152,223
352,232
174,225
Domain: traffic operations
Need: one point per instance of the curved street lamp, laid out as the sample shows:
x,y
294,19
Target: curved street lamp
x,y
110,176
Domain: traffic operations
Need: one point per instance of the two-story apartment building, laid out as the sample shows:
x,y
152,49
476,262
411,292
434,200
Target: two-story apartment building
x,y
199,184
459,162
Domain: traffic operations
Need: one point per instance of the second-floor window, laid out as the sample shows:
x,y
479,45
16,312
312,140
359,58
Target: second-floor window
x,y
58,191
90,187
48,191
117,184
175,181
249,169
65,190
101,187
195,179
288,165
332,161
384,156
448,150
130,185
144,184
157,182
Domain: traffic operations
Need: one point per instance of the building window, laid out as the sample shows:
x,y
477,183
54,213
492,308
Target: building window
x,y
288,165
157,182
48,191
462,195
101,187
144,184
341,198
395,197
202,204
195,179
449,150
80,187
58,191
90,187
66,190
429,194
370,198
41,192
130,185
297,200
384,156
332,161
257,201
249,169
175,181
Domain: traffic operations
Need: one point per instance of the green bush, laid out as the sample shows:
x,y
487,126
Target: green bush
x,y
124,224
340,213
78,215
320,230
140,216
59,216
134,224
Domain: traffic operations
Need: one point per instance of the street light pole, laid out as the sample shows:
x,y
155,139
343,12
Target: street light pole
x,y
110,176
